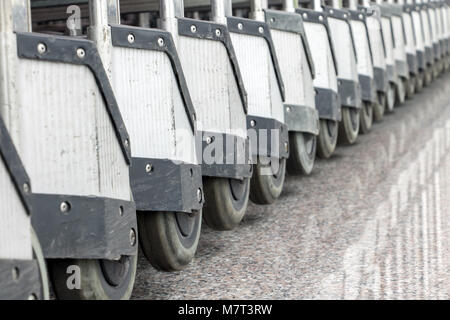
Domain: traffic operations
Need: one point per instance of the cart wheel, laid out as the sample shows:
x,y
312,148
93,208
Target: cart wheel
x,y
302,153
328,137
390,98
419,82
39,257
169,240
428,76
366,118
99,279
410,87
349,126
380,107
226,202
266,185
400,94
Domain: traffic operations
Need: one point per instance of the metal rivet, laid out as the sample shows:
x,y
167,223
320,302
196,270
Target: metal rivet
x,y
15,274
261,30
331,11
199,195
209,140
272,19
127,143
193,29
41,48
218,33
253,123
149,168
361,16
161,42
132,237
26,187
320,18
32,297
64,207
121,210
81,53
240,26
305,16
288,109
345,16
131,38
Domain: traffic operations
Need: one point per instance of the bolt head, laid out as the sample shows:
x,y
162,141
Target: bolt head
x,y
240,26
199,195
218,32
26,188
361,16
320,18
193,29
64,207
131,38
149,168
41,48
132,237
288,109
331,11
345,16
305,16
261,30
161,42
15,274
81,53
208,140
252,123
127,143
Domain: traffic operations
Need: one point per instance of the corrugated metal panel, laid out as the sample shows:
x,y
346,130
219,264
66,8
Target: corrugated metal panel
x,y
66,139
294,68
387,36
321,53
258,73
362,48
15,236
343,46
212,85
374,27
151,105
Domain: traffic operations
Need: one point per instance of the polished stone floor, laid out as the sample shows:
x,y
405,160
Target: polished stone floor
x,y
373,222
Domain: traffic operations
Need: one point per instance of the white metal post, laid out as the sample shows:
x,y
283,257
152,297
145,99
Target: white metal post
x,y
317,5
257,9
220,10
288,5
169,11
353,4
335,4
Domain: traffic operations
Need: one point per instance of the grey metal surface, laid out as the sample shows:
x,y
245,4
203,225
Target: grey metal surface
x,y
20,280
371,222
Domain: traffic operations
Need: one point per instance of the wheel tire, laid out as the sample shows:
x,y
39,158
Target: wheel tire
x,y
302,153
328,137
410,86
349,126
390,98
95,282
366,117
266,188
226,202
169,240
379,108
419,82
400,92
39,257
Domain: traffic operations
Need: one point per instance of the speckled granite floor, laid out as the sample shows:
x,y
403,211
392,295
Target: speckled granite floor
x,y
372,222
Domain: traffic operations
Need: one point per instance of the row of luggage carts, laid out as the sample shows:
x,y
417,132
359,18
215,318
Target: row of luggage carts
x,y
127,124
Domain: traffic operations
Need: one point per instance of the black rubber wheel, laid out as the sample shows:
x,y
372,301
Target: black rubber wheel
x,y
226,202
349,126
419,82
390,98
428,76
410,87
98,279
400,92
43,275
380,107
302,153
366,117
267,185
169,240
328,137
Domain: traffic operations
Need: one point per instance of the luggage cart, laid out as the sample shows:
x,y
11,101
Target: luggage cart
x,y
325,83
297,70
395,84
410,47
349,87
156,106
71,138
365,64
373,22
261,74
215,83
